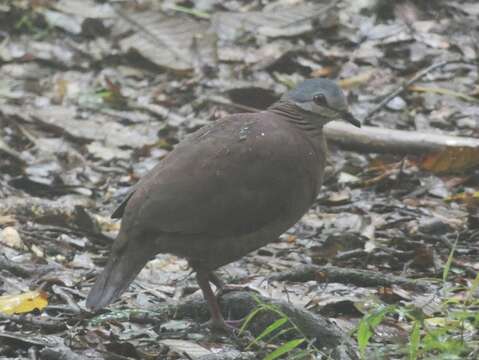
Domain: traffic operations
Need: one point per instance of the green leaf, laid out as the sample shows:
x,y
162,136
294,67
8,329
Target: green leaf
x,y
250,317
414,340
367,325
364,334
285,348
282,332
447,267
275,325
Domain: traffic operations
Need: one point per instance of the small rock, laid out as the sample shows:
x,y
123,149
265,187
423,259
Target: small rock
x,y
10,237
37,251
396,104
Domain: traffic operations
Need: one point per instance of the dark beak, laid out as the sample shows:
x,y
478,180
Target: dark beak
x,y
351,119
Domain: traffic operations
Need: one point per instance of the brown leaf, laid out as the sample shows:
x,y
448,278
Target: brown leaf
x,y
454,159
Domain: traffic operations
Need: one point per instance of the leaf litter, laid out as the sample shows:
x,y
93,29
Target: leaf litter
x,y
95,93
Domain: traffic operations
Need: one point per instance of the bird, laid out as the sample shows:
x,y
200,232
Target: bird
x,y
226,190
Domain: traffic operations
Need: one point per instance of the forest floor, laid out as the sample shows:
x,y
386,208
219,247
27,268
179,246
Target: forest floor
x,y
385,264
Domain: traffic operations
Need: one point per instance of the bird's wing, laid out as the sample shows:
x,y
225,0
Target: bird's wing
x,y
120,209
233,177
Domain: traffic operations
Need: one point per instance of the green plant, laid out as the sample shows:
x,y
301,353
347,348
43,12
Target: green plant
x,y
281,326
367,325
449,333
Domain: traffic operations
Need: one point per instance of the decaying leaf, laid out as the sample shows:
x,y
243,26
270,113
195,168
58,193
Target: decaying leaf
x,y
282,22
23,303
454,159
165,41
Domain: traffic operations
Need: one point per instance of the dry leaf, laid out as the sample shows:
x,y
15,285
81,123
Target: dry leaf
x,y
23,303
456,159
165,41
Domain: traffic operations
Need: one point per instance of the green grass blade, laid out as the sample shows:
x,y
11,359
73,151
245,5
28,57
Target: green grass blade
x,y
284,349
447,267
367,325
274,326
363,336
250,317
414,340
282,332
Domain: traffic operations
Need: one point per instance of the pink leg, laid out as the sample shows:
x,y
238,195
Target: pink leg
x,y
217,321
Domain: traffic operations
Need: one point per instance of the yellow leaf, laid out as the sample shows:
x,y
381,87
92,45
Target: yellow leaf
x,y
23,303
470,198
454,159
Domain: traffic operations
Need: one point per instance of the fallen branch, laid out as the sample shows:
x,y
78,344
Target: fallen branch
x,y
373,139
238,304
325,335
357,277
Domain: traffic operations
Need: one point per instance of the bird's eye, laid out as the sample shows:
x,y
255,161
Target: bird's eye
x,y
320,99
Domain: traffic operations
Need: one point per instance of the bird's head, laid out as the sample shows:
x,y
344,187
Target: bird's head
x,y
321,98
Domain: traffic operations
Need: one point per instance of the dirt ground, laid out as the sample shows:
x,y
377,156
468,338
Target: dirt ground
x,y
385,264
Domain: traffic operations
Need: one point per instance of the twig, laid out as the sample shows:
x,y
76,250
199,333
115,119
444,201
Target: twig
x,y
357,277
408,83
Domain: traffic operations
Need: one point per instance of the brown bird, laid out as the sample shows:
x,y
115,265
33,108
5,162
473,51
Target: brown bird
x,y
226,190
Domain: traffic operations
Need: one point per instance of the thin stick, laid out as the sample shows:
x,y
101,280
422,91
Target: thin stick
x,y
408,83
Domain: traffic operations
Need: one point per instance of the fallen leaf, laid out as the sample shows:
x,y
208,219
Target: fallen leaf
x,y
23,303
165,41
454,159
471,199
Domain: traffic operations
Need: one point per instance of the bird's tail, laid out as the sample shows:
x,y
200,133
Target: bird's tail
x,y
125,262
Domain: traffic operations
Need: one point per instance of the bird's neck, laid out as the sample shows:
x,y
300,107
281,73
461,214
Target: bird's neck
x,y
309,123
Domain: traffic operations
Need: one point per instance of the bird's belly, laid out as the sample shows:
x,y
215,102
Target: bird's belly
x,y
211,252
